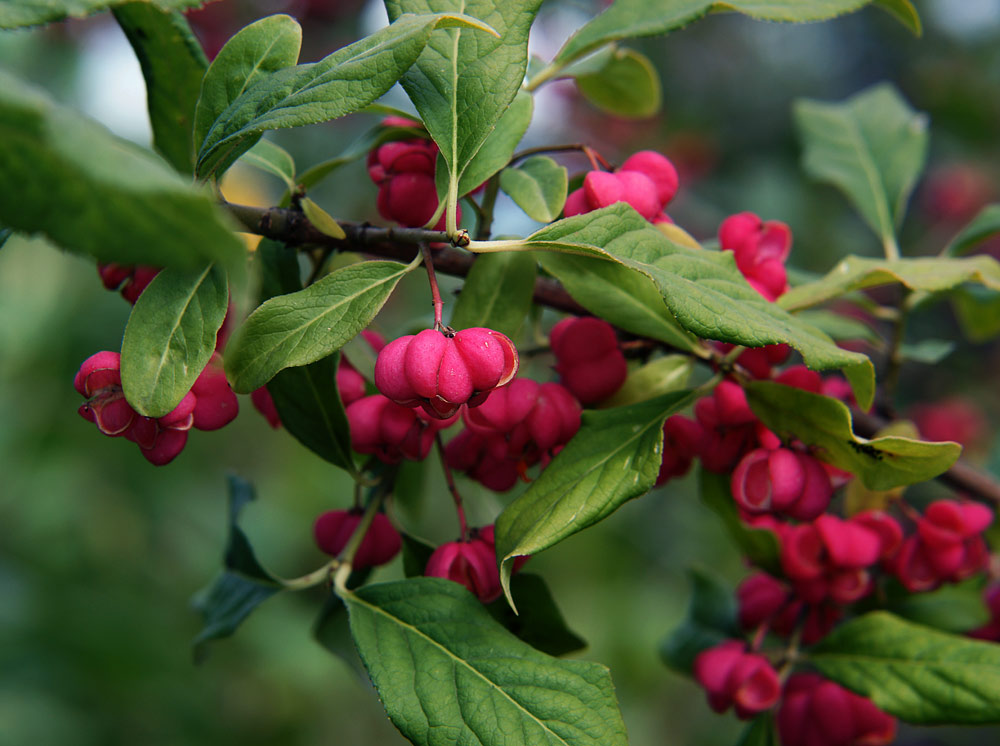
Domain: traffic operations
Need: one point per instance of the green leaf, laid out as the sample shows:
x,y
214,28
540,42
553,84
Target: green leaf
x,y
627,19
983,227
306,326
872,147
170,336
416,554
497,293
622,296
840,327
497,149
464,81
904,12
5,234
661,376
952,608
447,672
627,85
929,274
18,13
927,351
322,220
309,406
916,673
332,630
173,65
93,193
760,545
978,312
614,457
539,623
339,84
703,290
710,620
243,585
362,356
825,424
538,186
760,732
251,55
278,269
273,159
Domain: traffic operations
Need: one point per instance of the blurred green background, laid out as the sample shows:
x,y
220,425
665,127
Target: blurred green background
x,y
100,552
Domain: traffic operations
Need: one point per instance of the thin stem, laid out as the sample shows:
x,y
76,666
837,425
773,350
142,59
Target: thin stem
x,y
435,291
314,578
455,495
485,226
550,72
528,152
895,352
891,247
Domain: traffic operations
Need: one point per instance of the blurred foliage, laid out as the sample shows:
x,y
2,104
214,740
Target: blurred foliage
x,y
100,552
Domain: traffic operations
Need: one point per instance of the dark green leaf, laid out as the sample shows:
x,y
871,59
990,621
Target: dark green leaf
x,y
416,553
627,85
497,293
538,186
255,52
983,227
952,608
711,619
332,630
760,545
614,457
978,312
18,13
447,672
927,351
539,623
170,336
825,424
94,193
224,605
703,289
760,732
624,297
309,406
5,234
339,84
278,269
173,64
306,326
242,586
916,673
929,274
872,147
464,80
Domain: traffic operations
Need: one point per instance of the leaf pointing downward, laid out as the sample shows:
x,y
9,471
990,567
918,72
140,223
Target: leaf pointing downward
x,y
448,673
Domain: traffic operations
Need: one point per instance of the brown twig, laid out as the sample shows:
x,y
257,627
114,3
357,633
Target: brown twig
x,y
293,228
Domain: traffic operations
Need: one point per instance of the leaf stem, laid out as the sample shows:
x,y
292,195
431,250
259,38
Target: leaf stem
x,y
455,494
485,226
436,301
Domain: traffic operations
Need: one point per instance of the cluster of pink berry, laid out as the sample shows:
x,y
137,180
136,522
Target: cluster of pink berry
x,y
813,710
760,248
430,380
209,405
130,280
403,171
647,181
